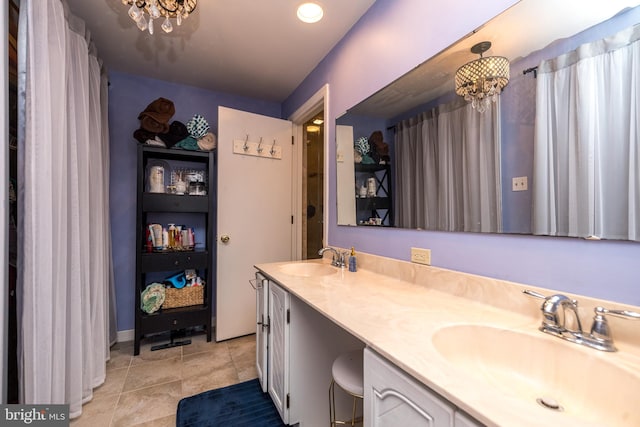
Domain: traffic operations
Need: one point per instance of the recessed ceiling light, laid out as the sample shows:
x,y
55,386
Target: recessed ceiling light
x,y
310,12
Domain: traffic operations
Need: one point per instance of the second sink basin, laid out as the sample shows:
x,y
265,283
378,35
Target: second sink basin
x,y
307,269
532,368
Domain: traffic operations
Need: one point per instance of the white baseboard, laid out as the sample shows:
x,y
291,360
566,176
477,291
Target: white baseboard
x,y
126,335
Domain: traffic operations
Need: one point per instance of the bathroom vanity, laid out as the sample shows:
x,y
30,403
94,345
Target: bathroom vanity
x,y
446,348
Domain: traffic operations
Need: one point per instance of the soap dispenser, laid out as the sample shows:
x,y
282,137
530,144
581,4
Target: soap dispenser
x,y
352,260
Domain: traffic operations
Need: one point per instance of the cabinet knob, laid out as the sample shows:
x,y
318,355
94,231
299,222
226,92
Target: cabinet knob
x,y
225,238
176,263
175,322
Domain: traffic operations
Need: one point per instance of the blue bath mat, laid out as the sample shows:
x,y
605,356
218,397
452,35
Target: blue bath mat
x,y
238,405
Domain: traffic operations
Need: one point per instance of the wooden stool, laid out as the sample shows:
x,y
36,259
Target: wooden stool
x,y
347,372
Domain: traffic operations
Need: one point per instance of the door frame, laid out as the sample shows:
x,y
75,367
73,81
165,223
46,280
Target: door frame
x,y
319,100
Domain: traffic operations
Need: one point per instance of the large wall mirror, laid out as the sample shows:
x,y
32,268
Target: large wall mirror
x,y
547,158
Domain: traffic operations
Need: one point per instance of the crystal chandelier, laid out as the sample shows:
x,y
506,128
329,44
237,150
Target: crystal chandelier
x,y
482,80
155,9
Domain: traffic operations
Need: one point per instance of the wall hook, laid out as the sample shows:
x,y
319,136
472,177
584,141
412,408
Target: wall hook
x,y
245,147
273,149
259,149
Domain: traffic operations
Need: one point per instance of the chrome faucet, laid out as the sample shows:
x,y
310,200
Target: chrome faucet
x,y
338,259
554,321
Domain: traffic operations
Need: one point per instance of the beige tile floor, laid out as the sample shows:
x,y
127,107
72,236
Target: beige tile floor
x,y
145,390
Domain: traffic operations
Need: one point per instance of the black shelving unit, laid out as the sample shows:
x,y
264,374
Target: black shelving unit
x,y
201,259
381,205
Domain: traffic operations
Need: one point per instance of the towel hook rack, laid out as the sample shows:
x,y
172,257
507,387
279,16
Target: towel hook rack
x,y
245,147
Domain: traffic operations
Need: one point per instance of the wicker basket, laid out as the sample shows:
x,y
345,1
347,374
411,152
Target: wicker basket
x,y
191,295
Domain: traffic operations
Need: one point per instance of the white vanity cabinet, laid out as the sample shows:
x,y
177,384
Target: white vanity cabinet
x,y
272,342
295,348
393,398
461,420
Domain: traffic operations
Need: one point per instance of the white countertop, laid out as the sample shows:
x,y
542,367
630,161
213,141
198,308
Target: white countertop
x,y
396,308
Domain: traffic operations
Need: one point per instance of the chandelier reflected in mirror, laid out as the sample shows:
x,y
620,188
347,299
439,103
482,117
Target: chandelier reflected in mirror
x,y
157,9
481,81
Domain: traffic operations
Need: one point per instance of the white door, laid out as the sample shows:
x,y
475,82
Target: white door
x,y
278,360
262,328
254,211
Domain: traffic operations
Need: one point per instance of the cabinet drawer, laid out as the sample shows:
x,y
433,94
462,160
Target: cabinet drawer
x,y
172,319
173,261
370,203
161,202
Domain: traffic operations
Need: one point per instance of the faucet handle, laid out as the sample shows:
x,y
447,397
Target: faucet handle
x,y
618,313
600,330
534,294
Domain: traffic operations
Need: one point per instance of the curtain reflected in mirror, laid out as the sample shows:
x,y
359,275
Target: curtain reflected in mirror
x,y
447,164
587,145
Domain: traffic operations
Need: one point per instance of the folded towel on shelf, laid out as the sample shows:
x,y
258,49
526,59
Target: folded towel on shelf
x,y
177,132
197,126
155,118
207,142
188,143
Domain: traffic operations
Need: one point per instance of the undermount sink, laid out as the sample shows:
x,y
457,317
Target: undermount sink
x,y
545,373
308,269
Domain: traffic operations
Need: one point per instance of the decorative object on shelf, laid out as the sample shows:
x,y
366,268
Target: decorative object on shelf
x,y
158,175
481,81
197,126
190,295
362,192
156,179
155,9
193,180
372,189
362,145
152,298
197,188
379,150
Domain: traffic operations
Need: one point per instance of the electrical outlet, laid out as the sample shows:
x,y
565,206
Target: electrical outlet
x,y
421,256
519,183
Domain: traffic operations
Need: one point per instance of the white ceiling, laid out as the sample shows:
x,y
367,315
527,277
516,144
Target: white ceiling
x,y
253,48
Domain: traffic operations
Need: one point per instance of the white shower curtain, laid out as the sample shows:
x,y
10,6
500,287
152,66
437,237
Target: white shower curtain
x,y
447,170
587,143
64,247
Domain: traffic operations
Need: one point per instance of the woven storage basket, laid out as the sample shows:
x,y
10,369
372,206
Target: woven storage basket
x,y
191,295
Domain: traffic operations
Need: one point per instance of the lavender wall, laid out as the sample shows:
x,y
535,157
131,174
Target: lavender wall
x,y
391,38
128,96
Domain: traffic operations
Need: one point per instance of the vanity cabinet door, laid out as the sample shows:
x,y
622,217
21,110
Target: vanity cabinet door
x,y
278,354
262,328
462,420
393,398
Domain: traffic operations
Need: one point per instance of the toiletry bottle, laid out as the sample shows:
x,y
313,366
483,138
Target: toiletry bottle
x,y
172,236
352,260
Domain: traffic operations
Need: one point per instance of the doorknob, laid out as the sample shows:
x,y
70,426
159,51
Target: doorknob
x,y
225,238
